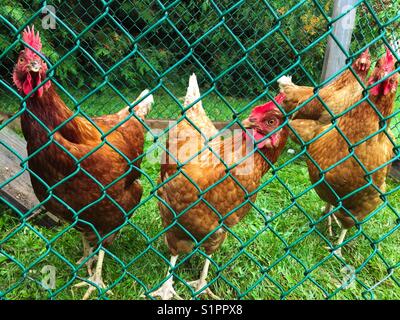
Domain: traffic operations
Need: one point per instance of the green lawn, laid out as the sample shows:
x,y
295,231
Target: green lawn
x,y
260,269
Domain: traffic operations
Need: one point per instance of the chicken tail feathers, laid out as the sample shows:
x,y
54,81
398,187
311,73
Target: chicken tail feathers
x,y
193,94
285,81
196,113
144,106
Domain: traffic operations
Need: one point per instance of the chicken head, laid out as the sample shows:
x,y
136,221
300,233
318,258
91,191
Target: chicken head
x,y
30,69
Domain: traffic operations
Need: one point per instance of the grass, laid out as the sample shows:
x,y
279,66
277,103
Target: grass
x,y
258,266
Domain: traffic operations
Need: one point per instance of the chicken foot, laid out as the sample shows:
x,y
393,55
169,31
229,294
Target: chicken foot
x,y
328,208
87,250
96,278
202,282
167,291
342,236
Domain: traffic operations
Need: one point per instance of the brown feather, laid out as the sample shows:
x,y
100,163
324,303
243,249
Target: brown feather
x,y
80,193
349,175
210,211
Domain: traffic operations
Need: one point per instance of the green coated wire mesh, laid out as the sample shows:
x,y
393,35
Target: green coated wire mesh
x,y
104,53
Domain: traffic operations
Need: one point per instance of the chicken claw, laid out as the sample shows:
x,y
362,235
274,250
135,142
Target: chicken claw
x,y
99,283
199,284
166,291
330,231
87,250
89,263
96,279
338,251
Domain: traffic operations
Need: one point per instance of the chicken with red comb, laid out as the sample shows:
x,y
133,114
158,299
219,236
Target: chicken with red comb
x,y
350,153
100,184
341,93
30,70
189,168
383,67
261,126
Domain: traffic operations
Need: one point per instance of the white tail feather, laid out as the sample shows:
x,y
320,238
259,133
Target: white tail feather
x,y
193,92
196,113
144,107
285,81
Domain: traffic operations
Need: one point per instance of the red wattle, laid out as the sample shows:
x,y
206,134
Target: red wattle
x,y
386,87
38,81
27,85
274,140
375,90
258,136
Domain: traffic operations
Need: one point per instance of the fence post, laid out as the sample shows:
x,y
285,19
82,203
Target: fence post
x,y
342,29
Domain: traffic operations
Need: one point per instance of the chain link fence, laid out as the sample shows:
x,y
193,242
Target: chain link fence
x,y
101,56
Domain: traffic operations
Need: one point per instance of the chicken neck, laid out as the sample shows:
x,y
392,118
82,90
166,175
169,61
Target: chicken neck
x,y
363,120
51,110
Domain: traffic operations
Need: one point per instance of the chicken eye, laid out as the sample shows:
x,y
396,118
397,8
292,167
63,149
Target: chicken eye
x,y
271,122
21,60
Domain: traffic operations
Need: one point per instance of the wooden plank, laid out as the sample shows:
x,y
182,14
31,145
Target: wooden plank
x,y
19,191
343,30
152,123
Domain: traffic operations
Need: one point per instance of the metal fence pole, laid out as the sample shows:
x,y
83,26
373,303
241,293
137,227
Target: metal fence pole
x,y
342,29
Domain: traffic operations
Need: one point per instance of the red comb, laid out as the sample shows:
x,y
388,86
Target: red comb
x,y
389,57
32,39
270,105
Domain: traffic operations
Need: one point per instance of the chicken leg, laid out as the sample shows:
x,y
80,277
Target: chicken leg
x,y
87,250
202,282
96,278
328,208
340,241
167,291
342,235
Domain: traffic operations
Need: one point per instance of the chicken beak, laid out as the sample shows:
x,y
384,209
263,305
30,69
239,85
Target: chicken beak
x,y
363,63
35,66
247,123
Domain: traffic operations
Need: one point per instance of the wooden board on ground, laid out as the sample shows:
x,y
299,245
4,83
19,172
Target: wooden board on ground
x,y
18,192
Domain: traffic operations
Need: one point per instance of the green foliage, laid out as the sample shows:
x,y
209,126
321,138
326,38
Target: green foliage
x,y
153,41
217,52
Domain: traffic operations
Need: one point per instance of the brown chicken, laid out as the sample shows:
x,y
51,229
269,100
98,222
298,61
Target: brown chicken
x,y
359,123
341,93
81,172
201,192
